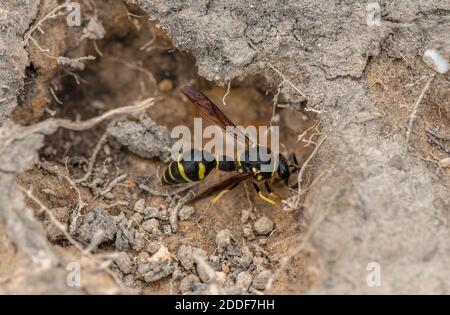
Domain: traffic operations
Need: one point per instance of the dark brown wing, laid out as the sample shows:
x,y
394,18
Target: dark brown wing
x,y
210,110
229,183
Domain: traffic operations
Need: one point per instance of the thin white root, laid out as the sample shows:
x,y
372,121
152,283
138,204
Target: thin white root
x,y
87,124
226,94
113,184
414,112
93,158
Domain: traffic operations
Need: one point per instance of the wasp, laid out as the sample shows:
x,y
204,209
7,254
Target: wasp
x,y
256,162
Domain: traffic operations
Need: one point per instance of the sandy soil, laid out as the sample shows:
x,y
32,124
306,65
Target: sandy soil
x,y
120,226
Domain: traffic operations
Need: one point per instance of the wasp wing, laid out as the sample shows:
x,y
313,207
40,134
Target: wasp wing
x,y
210,110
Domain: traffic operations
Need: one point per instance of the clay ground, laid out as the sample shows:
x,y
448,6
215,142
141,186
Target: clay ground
x,y
94,197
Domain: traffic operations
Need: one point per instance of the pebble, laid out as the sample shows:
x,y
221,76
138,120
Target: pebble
x,y
444,163
201,269
221,277
263,226
261,279
185,256
151,213
243,280
137,217
142,257
245,215
123,261
164,214
167,229
437,60
129,281
165,85
202,273
139,241
248,233
150,225
190,283
139,206
245,260
159,265
223,238
152,246
186,212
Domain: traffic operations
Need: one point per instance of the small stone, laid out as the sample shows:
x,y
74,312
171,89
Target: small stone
x,y
225,268
202,273
123,261
245,260
438,60
260,263
139,241
223,238
245,215
165,85
152,246
139,206
243,280
142,257
263,226
107,149
221,277
248,233
95,220
201,269
167,229
158,266
261,279
151,213
190,283
150,225
163,215
129,281
137,217
444,163
185,256
186,212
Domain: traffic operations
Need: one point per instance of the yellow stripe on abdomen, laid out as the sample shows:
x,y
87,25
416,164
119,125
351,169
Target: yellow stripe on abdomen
x,y
201,171
181,169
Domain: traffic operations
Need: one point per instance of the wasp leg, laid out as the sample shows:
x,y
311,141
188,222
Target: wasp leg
x,y
220,195
269,191
261,195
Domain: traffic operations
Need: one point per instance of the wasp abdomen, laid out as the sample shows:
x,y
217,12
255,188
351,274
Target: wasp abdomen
x,y
191,166
226,164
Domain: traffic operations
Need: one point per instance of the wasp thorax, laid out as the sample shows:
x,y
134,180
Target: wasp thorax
x,y
258,160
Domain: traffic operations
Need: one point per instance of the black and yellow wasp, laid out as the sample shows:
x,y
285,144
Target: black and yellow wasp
x,y
256,162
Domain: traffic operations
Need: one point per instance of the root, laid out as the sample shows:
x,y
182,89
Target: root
x,y
414,112
88,124
97,148
113,184
226,94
